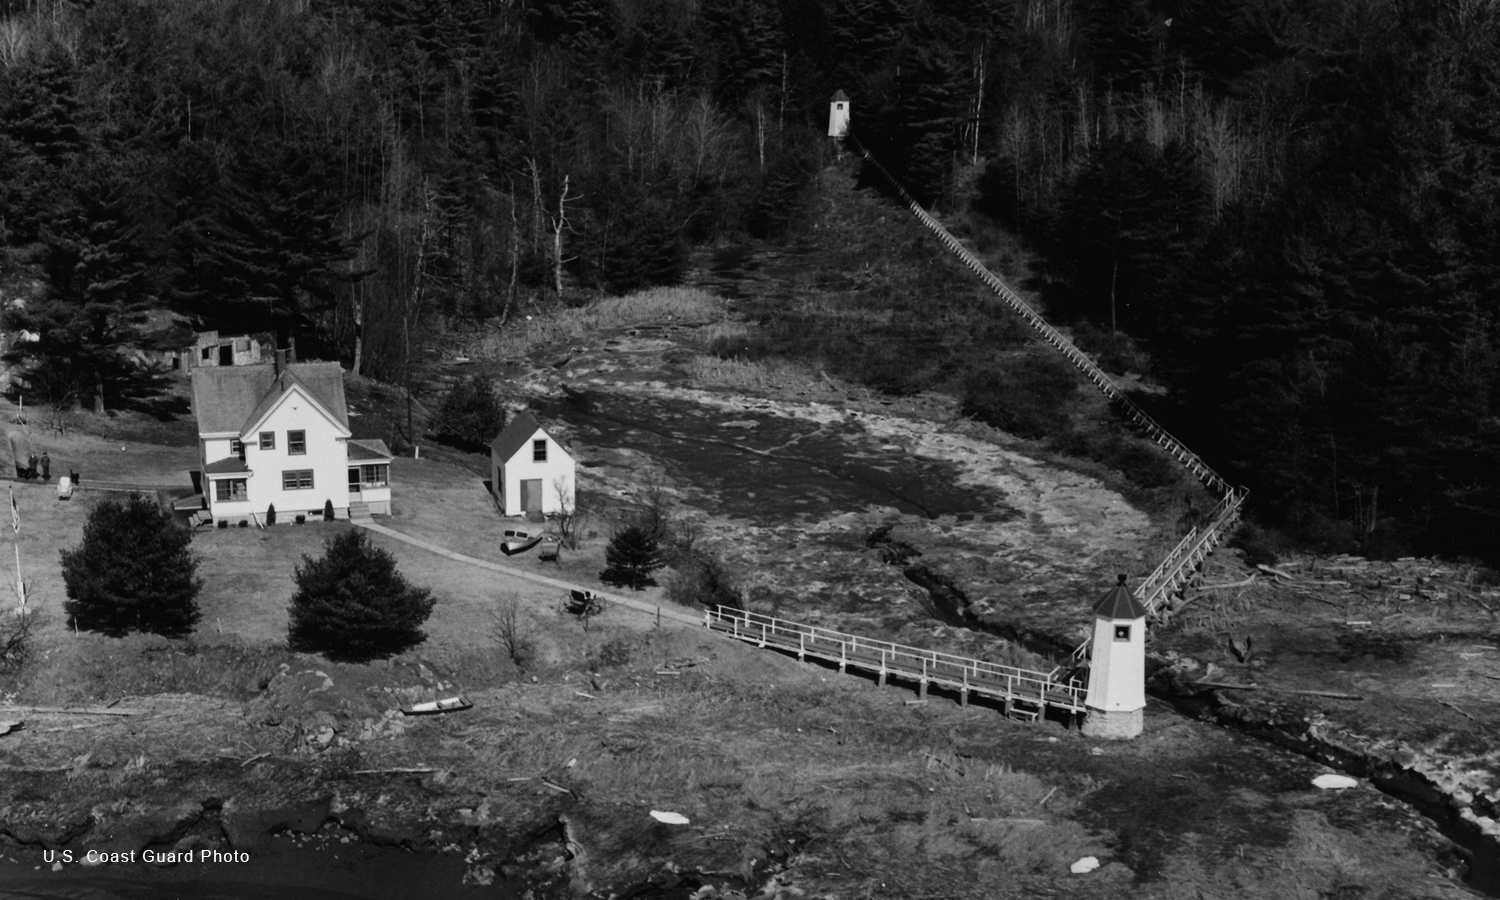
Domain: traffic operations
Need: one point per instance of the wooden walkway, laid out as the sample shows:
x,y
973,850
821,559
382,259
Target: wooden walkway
x,y
1024,693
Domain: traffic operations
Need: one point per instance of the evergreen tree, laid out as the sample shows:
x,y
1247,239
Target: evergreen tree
x,y
134,570
270,249
98,268
471,413
632,555
352,604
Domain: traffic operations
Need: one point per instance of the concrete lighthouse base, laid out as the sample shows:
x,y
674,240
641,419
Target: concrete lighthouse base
x,y
1114,725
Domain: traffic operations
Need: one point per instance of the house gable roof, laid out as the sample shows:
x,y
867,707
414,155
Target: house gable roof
x,y
233,399
321,383
515,435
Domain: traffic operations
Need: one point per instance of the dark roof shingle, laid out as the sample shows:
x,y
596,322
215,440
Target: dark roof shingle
x,y
514,435
228,399
1120,603
369,450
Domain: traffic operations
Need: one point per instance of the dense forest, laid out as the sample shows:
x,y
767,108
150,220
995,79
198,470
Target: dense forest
x,y
1288,209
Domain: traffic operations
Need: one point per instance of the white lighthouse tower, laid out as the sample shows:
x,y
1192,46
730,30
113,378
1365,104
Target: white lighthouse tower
x,y
1117,671
838,115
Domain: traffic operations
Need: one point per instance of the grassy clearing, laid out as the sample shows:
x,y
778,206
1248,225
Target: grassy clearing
x,y
749,375
659,305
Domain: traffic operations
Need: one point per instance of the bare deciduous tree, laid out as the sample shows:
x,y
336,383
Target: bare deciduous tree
x,y
559,223
569,517
512,631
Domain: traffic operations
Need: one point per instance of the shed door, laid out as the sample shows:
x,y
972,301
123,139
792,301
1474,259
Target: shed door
x,y
531,495
226,354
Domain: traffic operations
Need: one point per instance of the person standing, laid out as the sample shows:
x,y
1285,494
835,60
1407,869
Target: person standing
x,y
46,466
31,466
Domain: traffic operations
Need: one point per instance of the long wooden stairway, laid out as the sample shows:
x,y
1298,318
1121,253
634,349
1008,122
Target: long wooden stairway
x,y
1187,557
1024,692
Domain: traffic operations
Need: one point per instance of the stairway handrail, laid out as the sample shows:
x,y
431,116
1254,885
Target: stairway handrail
x,y
1100,378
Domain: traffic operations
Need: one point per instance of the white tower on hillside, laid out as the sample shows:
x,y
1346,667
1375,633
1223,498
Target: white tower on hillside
x,y
1117,671
838,115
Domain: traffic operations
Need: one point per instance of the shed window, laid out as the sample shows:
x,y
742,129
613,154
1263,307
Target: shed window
x,y
268,440
1122,632
296,479
539,451
296,442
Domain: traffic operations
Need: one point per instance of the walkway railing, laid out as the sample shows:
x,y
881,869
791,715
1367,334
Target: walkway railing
x,y
1010,684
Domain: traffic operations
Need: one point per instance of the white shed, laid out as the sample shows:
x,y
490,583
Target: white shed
x,y
1117,668
838,115
529,471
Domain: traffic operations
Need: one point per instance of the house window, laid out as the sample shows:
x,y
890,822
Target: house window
x,y
1122,632
237,448
268,440
208,353
230,489
374,475
296,480
296,443
539,450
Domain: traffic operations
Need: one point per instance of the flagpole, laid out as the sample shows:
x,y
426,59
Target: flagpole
x,y
15,524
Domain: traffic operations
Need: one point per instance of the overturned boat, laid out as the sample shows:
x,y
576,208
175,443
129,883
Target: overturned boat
x,y
456,703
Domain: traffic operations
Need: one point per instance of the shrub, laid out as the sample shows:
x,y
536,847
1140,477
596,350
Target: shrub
x,y
271,514
704,581
632,555
612,654
1026,397
301,519
16,644
471,414
328,510
134,570
1258,545
1140,462
352,604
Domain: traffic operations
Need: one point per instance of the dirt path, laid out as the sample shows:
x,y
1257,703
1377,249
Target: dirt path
x,y
662,613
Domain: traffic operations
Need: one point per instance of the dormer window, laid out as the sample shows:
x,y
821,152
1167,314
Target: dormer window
x,y
539,451
1122,632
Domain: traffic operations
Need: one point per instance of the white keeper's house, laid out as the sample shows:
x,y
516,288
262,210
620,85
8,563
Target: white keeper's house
x,y
279,435
530,472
